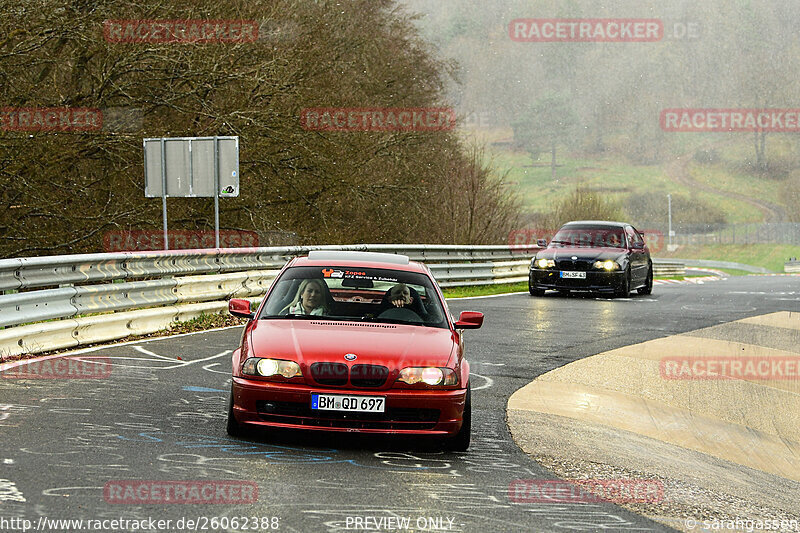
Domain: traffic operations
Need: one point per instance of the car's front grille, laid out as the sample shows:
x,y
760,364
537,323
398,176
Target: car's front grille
x,y
368,375
329,374
578,265
301,414
336,374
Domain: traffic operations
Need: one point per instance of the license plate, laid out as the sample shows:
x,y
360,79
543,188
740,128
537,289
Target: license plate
x,y
580,275
338,402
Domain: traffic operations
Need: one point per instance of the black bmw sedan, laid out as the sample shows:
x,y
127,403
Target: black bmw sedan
x,y
591,255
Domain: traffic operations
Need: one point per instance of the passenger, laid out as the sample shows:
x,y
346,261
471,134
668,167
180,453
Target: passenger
x,y
309,300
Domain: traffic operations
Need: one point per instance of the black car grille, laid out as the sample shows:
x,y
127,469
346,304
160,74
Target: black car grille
x,y
301,414
578,265
329,374
336,374
368,375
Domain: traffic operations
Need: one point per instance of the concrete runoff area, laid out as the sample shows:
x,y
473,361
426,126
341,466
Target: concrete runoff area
x,y
723,448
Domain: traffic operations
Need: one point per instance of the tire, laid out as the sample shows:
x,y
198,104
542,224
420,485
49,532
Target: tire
x,y
460,441
624,290
648,284
534,291
234,428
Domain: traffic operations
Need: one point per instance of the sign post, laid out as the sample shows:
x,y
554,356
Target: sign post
x,y
191,167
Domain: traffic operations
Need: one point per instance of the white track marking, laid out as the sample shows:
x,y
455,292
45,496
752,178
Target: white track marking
x,y
489,381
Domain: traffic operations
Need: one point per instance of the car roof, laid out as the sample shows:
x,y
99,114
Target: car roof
x,y
607,223
347,258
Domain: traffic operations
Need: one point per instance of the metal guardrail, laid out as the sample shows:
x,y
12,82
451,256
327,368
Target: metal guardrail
x,y
791,266
130,293
724,264
667,267
53,271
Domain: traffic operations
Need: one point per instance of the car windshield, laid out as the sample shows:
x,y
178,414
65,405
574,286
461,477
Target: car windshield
x,y
347,293
590,237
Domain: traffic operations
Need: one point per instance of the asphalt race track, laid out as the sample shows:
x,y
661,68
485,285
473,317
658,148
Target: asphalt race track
x,y
160,415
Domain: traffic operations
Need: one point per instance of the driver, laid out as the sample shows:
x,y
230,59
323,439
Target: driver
x,y
613,240
401,295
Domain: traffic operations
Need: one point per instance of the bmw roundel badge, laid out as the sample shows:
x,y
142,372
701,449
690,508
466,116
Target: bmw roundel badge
x,y
350,356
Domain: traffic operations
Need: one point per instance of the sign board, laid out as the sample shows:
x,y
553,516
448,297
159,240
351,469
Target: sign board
x,y
190,167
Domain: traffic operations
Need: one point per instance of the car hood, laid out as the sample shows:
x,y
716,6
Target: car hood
x,y
586,254
392,345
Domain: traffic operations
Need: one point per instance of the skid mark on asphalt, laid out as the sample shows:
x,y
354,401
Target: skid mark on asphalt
x,y
158,359
208,368
9,492
66,492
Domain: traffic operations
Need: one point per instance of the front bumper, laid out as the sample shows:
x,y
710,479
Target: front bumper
x,y
407,411
595,280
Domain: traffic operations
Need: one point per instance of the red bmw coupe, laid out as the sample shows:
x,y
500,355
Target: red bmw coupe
x,y
353,342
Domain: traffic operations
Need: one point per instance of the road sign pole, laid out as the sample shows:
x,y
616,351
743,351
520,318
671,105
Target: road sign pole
x,y
216,190
669,214
164,191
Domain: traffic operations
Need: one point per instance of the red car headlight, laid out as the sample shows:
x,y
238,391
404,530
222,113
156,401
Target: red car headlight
x,y
429,375
265,367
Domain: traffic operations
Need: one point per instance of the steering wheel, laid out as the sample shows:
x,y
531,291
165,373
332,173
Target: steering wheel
x,y
402,313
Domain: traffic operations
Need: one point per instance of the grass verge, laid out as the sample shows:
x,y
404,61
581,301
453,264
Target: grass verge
x,y
484,290
769,256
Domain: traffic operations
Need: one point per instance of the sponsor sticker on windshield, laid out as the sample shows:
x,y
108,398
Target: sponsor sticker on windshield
x,y
354,274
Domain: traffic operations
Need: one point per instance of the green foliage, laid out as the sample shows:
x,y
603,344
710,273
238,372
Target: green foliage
x,y
650,210
790,192
547,123
742,56
584,204
63,191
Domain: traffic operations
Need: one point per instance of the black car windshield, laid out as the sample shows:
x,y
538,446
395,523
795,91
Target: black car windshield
x,y
347,293
590,237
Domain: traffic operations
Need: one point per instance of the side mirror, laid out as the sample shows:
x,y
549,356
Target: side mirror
x,y
240,308
637,245
469,320
542,243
